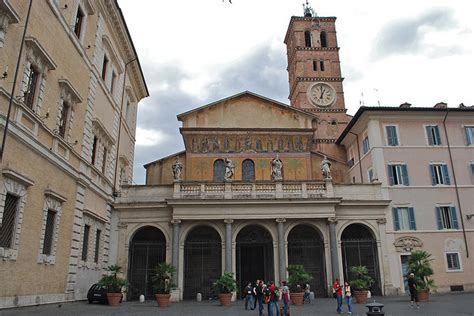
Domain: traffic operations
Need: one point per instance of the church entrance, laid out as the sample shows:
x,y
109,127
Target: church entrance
x,y
147,249
359,248
202,261
254,256
306,248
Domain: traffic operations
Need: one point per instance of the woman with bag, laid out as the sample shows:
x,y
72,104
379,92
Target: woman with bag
x,y
348,294
285,295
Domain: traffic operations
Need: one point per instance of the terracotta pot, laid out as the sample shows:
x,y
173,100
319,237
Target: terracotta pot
x,y
163,300
114,299
360,296
423,295
225,298
297,298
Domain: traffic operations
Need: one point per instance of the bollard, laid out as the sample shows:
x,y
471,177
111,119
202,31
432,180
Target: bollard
x,y
375,309
199,297
311,296
142,298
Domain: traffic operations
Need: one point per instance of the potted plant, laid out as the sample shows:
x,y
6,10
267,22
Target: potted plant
x,y
361,283
419,264
163,283
225,285
297,278
113,284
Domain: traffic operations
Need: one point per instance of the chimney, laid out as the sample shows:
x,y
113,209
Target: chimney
x,y
441,105
405,105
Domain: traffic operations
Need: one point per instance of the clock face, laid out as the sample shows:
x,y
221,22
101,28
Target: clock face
x,y
322,94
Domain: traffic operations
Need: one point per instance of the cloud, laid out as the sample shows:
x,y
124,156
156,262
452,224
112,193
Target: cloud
x,y
413,35
150,137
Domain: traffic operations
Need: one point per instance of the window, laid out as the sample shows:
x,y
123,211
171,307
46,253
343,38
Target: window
x,y
85,242
453,261
398,174
434,138
321,65
446,217
323,39
97,246
105,63
307,38
439,174
94,149
219,170
472,172
248,170
104,160
78,22
370,173
112,82
49,232
30,92
392,138
469,131
8,220
365,144
404,218
63,119
315,65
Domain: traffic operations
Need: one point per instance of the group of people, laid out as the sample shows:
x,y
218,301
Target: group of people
x,y
270,294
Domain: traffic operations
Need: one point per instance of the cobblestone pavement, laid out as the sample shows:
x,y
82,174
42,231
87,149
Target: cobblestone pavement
x,y
447,304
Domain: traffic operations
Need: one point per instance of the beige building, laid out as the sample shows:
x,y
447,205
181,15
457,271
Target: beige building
x,y
68,146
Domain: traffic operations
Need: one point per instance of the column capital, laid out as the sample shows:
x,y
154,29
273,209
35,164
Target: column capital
x,y
280,220
332,220
122,225
175,221
381,221
228,221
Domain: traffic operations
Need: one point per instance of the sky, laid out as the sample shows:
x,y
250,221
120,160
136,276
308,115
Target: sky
x,y
197,52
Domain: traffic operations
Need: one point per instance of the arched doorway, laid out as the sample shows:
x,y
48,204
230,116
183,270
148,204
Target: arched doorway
x,y
306,247
202,261
254,255
147,249
359,248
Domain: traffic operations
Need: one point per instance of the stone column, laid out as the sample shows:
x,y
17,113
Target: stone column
x,y
333,246
281,248
228,244
175,249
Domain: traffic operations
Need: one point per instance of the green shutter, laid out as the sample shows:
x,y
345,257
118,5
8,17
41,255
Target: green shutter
x,y
447,181
390,175
430,135
396,220
454,218
438,217
405,175
411,216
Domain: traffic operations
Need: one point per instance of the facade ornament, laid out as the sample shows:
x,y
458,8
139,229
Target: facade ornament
x,y
332,220
381,221
280,220
326,168
175,221
229,169
122,225
407,244
177,169
228,221
277,166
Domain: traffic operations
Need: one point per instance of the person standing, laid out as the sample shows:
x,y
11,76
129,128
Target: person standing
x,y
248,296
285,295
307,291
337,289
413,290
259,297
348,295
274,295
254,294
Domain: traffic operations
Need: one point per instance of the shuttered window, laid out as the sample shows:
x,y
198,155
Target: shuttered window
x,y
434,138
85,242
8,220
439,174
49,232
97,245
392,137
453,262
398,174
404,218
446,217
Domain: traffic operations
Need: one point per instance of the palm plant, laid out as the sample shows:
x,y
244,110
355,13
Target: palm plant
x,y
297,278
163,278
226,283
363,281
112,282
419,264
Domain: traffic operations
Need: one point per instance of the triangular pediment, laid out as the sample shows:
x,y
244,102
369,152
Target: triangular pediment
x,y
246,110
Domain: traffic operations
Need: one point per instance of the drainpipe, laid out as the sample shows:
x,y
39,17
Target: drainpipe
x,y
358,152
12,93
120,124
455,182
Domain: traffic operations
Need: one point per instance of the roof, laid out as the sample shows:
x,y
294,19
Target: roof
x,y
164,158
306,18
280,104
364,109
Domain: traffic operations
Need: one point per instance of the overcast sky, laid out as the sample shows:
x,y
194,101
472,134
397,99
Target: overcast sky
x,y
196,52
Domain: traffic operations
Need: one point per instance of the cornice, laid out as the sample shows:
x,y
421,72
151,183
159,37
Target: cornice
x,y
313,79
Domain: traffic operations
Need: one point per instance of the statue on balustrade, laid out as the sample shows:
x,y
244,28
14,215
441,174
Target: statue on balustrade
x,y
277,166
177,170
326,168
229,169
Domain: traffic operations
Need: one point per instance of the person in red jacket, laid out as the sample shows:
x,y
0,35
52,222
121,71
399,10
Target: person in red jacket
x,y
337,289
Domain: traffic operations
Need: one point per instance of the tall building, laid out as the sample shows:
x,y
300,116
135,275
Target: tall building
x,y
69,144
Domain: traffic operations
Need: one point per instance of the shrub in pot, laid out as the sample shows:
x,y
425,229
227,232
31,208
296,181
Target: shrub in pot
x,y
419,263
361,283
163,283
297,278
225,285
113,284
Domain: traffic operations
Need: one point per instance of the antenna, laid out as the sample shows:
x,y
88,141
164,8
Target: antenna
x,y
377,95
361,101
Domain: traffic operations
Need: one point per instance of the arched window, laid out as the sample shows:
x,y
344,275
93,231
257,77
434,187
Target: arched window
x,y
219,170
307,38
248,170
323,39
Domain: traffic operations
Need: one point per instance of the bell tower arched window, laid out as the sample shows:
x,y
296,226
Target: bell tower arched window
x,y
219,170
307,38
248,170
323,39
